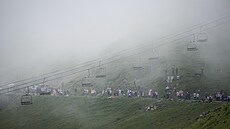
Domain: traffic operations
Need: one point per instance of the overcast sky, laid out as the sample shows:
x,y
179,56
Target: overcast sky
x,y
46,31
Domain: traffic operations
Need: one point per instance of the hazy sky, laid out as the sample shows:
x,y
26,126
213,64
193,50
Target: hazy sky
x,y
60,30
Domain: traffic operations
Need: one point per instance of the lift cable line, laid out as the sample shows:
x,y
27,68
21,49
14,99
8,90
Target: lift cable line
x,y
103,64
48,80
42,80
127,50
114,56
96,60
198,25
213,26
119,59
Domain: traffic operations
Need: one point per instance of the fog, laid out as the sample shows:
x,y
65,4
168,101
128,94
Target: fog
x,y
41,33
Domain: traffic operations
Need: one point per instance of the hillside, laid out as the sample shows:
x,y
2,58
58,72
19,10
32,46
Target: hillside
x,y
153,73
218,118
103,113
122,112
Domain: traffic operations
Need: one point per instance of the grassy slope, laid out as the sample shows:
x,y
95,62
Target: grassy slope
x,y
217,119
88,113
81,112
188,63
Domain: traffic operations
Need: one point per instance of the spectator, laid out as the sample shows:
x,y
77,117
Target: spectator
x,y
228,98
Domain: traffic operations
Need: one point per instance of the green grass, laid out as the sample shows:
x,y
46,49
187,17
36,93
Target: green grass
x,y
49,112
217,119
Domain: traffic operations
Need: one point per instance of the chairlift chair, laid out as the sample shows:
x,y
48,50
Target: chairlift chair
x,y
155,56
100,73
138,65
26,99
87,81
202,37
192,45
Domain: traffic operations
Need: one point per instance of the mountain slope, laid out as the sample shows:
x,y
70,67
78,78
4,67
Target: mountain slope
x,y
102,113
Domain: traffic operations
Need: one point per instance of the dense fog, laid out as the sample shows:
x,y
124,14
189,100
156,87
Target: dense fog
x,y
37,36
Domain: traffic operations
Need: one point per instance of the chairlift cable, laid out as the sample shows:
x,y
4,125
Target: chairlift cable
x,y
113,57
167,37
